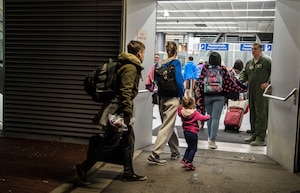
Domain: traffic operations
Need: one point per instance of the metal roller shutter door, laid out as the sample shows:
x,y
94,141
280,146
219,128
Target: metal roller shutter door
x,y
49,47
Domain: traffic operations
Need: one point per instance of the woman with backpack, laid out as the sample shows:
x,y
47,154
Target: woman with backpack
x,y
170,90
214,83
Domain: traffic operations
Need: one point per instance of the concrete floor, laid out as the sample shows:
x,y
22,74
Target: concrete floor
x,y
216,172
232,168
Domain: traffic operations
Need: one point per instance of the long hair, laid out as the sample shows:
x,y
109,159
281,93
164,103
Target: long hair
x,y
215,59
171,48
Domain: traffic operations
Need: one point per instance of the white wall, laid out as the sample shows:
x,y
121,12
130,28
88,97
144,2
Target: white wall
x,y
141,15
282,127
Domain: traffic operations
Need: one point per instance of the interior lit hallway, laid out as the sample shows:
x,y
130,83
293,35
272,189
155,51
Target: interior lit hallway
x,y
222,146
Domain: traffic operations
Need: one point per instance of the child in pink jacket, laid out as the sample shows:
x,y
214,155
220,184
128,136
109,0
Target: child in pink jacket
x,y
190,117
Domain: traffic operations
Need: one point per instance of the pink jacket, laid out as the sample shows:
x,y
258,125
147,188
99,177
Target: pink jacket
x,y
150,76
190,118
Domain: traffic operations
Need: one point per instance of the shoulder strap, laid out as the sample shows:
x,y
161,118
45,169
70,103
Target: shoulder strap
x,y
172,61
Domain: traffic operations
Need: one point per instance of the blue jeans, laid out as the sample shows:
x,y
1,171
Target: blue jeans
x,y
192,142
213,106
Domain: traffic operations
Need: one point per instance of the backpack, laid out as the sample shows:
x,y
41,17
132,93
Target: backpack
x,y
213,80
166,81
100,84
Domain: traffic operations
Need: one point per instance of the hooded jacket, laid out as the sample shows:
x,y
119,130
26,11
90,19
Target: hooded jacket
x,y
190,71
128,79
190,118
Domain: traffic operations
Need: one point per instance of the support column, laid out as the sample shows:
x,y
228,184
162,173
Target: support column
x,y
161,42
190,43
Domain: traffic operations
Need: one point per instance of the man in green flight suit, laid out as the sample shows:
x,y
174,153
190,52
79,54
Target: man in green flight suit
x,y
257,72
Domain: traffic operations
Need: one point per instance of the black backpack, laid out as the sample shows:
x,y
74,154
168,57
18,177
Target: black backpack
x,y
100,84
166,81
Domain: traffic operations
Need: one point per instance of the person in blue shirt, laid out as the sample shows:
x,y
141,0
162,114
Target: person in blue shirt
x,y
189,76
168,106
199,68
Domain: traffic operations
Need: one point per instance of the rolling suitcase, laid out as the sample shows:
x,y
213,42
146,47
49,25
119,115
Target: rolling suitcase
x,y
234,114
233,119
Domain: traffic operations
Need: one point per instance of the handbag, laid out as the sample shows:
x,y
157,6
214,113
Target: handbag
x,y
166,80
108,148
243,104
150,87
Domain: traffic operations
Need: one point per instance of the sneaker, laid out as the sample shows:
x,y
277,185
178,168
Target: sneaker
x,y
249,139
154,159
258,143
81,176
212,145
183,161
190,166
133,177
175,156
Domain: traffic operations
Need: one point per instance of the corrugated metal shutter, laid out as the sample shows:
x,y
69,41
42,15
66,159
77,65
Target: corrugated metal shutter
x,y
49,47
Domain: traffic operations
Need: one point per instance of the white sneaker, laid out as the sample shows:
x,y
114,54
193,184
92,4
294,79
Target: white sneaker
x,y
212,145
155,160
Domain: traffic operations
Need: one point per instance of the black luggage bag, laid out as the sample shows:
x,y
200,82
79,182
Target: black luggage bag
x,y
109,148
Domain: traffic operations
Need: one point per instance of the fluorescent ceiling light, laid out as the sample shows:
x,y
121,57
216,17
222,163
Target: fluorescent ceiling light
x,y
171,27
215,10
207,30
203,18
193,23
215,1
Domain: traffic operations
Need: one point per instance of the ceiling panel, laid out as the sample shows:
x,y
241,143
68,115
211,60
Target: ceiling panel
x,y
215,16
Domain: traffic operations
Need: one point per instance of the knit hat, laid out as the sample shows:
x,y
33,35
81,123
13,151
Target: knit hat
x,y
201,61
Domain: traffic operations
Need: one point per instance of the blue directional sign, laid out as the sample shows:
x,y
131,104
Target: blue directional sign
x,y
202,46
245,47
248,47
268,47
222,47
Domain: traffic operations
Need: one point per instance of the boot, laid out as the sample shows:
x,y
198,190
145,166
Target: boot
x,y
258,143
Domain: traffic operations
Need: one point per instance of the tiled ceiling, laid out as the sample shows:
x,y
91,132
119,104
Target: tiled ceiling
x,y
215,16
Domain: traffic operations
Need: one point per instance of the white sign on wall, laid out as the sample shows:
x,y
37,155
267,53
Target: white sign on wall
x,y
142,36
193,44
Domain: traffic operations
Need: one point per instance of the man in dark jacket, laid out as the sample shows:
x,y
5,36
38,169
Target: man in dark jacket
x,y
128,79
